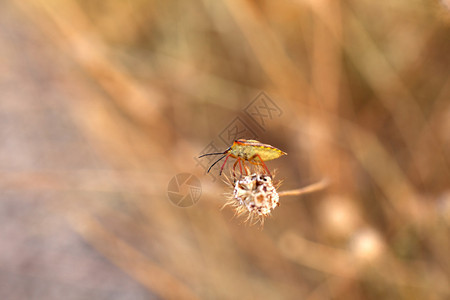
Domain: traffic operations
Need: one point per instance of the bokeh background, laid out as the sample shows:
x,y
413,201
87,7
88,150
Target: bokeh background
x,y
102,103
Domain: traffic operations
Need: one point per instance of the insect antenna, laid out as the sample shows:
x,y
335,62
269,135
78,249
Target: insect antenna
x,y
216,162
225,153
210,154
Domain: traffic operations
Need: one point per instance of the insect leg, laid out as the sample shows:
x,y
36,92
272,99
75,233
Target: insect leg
x,y
234,168
262,163
247,170
221,169
240,166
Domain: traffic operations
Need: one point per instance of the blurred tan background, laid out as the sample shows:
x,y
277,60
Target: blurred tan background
x,y
102,103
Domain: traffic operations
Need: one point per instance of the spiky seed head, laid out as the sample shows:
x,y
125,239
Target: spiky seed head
x,y
256,195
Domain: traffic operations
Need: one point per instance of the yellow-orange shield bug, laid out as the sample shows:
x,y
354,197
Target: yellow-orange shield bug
x,y
252,151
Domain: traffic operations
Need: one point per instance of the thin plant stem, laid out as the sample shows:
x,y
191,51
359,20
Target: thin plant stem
x,y
307,189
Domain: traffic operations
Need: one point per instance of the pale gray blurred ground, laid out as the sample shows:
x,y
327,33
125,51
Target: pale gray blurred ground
x,y
41,257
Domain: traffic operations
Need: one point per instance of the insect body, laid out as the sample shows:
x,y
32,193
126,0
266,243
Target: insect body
x,y
252,151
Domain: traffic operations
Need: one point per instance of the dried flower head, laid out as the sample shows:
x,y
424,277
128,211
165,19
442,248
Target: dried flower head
x,y
256,195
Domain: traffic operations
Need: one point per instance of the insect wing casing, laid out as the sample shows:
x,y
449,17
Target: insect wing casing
x,y
251,149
